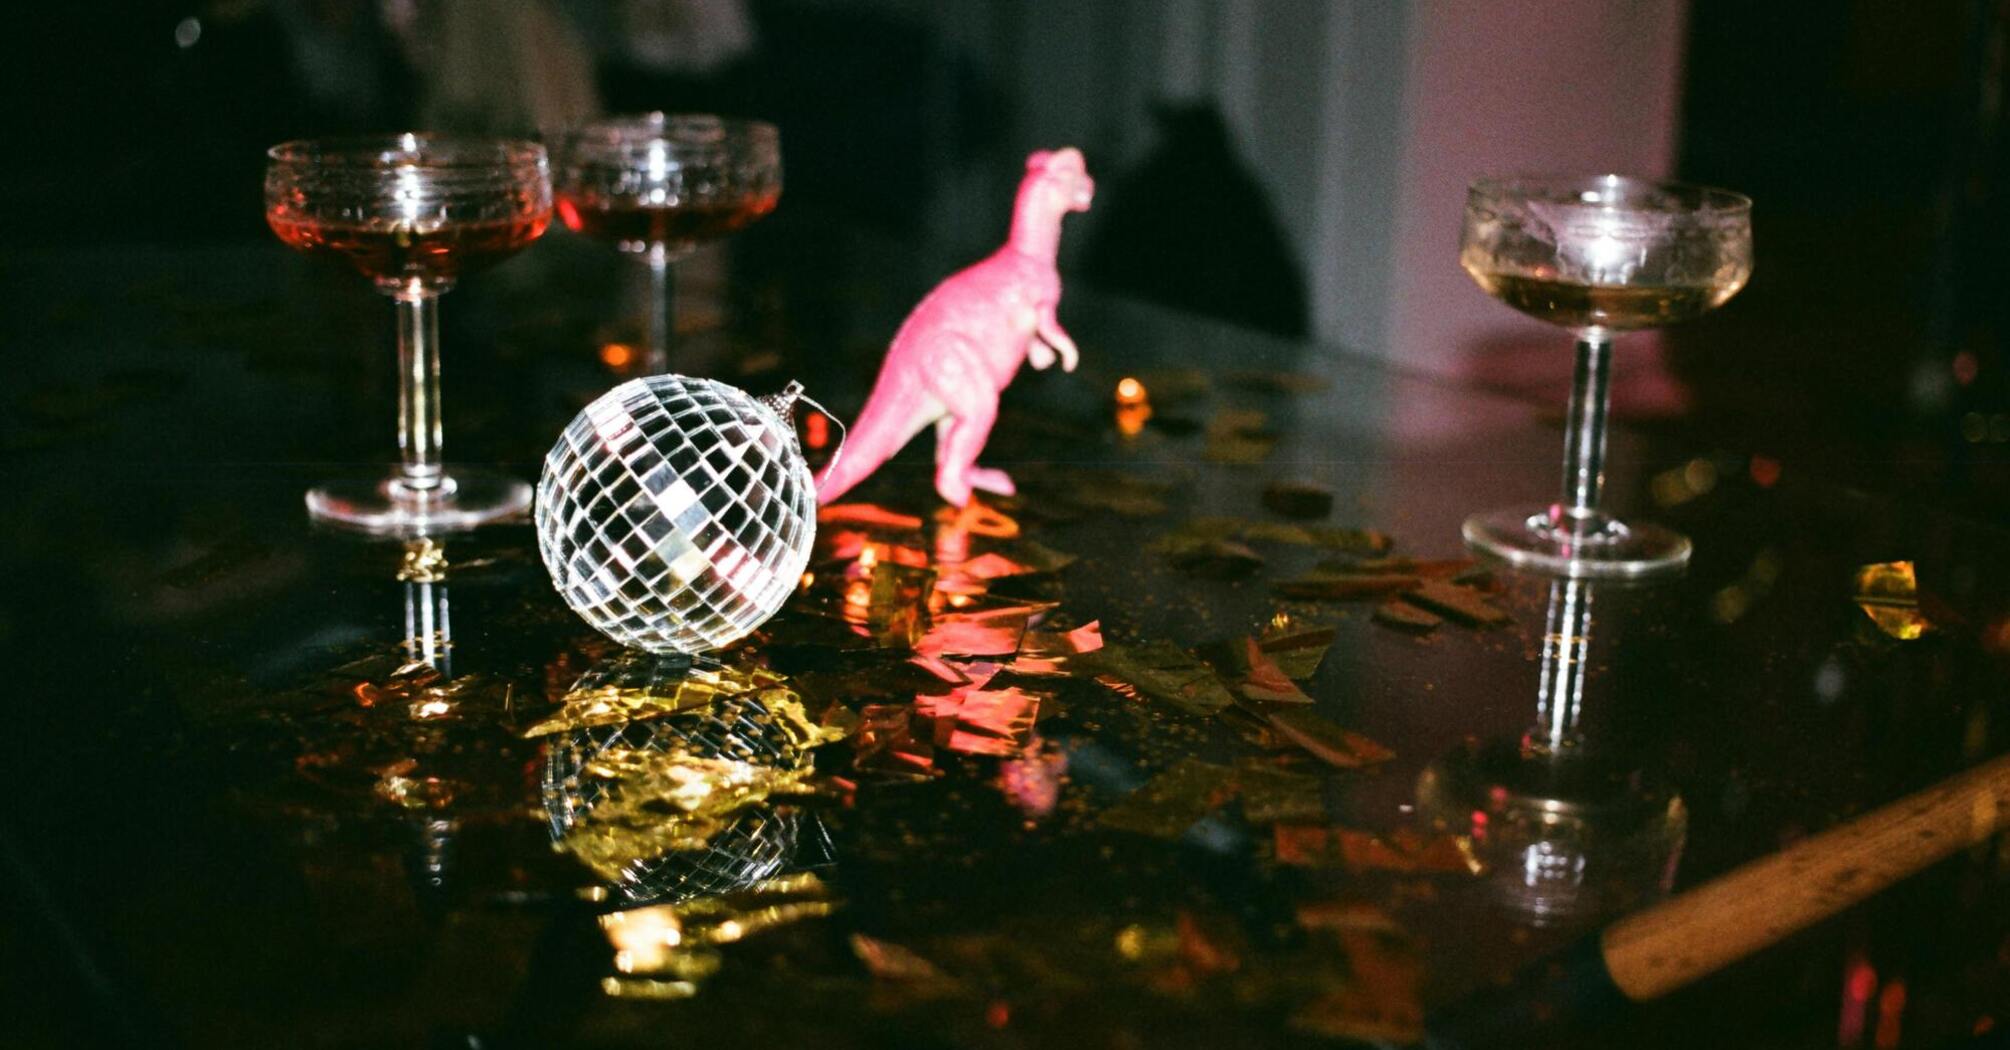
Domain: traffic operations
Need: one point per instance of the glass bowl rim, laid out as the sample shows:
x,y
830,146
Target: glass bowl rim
x,y
461,153
656,125
1713,202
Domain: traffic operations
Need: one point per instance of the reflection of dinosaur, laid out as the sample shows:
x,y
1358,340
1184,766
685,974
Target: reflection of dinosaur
x,y
957,350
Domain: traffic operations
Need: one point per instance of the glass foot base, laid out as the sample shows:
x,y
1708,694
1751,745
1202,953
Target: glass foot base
x,y
464,499
1526,538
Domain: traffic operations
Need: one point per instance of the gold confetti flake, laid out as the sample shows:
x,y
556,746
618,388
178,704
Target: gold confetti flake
x,y
640,686
661,801
1171,802
1888,593
425,561
1161,671
1297,649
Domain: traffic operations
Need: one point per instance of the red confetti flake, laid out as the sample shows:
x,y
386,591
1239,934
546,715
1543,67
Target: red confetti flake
x,y
1087,638
981,722
1003,714
1265,681
978,631
1047,652
973,674
1324,740
885,742
978,744
991,566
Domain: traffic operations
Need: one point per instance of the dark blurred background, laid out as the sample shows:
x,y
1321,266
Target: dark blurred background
x,y
1296,166
1292,165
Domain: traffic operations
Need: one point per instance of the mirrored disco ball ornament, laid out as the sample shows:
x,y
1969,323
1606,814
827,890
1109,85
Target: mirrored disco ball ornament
x,y
676,514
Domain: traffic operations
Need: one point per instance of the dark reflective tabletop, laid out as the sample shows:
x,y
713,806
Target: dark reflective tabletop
x,y
276,786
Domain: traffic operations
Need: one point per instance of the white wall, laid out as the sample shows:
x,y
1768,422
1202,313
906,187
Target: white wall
x,y
1364,118
1537,85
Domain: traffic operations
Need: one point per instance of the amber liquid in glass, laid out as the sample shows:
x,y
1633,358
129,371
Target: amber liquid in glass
x,y
397,252
1618,308
636,222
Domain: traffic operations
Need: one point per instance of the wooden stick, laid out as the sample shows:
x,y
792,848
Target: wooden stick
x,y
1656,951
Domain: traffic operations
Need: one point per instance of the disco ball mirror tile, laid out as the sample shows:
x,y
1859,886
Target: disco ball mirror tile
x,y
676,514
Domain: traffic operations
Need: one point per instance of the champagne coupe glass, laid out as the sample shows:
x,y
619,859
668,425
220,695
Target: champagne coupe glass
x,y
1598,255
659,186
413,213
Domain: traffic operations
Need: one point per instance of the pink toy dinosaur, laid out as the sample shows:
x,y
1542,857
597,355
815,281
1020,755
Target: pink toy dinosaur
x,y
960,347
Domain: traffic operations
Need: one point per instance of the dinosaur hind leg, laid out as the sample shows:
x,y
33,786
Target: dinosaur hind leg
x,y
958,439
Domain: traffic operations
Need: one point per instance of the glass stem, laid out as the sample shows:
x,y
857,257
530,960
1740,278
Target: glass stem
x,y
661,313
1584,433
418,392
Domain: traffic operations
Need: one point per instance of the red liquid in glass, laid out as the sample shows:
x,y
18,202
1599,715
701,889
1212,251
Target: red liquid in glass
x,y
396,252
636,222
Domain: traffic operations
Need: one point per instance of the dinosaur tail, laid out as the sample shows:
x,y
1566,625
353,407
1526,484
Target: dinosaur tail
x,y
839,477
883,428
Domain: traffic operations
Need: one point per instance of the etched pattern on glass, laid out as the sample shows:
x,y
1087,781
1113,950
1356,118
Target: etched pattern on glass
x,y
676,514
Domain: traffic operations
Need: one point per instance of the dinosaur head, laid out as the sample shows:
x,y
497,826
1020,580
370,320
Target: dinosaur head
x,y
1061,177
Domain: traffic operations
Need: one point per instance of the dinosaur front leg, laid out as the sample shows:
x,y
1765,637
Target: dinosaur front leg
x,y
1049,332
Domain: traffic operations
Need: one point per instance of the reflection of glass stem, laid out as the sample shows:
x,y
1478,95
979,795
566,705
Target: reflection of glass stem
x,y
1584,436
434,841
1566,641
429,633
418,393
660,314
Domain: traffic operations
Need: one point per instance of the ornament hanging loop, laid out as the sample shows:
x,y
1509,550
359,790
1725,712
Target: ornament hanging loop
x,y
784,404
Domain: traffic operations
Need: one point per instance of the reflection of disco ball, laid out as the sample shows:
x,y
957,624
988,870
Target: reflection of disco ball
x,y
676,514
756,845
